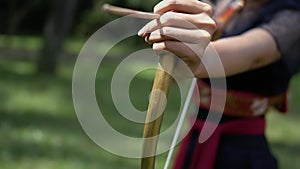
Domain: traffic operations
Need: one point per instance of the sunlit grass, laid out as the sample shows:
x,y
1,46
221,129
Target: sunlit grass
x,y
71,45
33,43
283,130
39,128
38,125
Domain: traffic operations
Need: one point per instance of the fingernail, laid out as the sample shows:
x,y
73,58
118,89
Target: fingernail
x,y
141,32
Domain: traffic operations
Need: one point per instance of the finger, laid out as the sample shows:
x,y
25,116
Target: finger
x,y
194,36
186,52
169,19
190,54
184,6
180,20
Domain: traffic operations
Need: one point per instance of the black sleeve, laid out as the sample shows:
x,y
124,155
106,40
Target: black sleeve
x,y
285,29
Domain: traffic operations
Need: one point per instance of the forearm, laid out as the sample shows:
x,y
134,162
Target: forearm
x,y
238,54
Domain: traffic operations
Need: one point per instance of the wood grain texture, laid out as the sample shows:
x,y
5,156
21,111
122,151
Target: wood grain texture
x,y
157,104
130,12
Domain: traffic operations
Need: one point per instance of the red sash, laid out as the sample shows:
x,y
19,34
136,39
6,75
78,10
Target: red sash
x,y
241,104
205,153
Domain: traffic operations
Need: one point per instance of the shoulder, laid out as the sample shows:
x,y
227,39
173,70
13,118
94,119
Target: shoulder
x,y
286,15
283,23
284,27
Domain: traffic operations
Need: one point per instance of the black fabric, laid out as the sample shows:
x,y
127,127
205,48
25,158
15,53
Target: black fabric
x,y
235,151
245,152
191,150
265,14
252,151
270,80
274,78
238,152
287,37
203,113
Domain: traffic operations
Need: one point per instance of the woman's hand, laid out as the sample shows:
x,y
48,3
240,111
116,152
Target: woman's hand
x,y
186,32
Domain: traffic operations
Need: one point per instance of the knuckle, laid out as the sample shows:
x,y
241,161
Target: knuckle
x,y
206,36
205,21
169,14
148,40
166,45
203,37
211,26
155,9
208,9
167,18
158,47
166,31
164,5
172,2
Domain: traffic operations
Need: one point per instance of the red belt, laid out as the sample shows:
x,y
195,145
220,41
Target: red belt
x,y
205,153
241,104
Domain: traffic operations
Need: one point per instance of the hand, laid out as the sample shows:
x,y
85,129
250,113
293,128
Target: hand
x,y
186,32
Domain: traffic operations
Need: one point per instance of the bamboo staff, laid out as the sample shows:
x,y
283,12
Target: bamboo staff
x,y
160,90
162,82
125,11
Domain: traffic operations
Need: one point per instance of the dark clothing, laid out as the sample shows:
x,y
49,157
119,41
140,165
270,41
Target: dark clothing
x,y
287,37
235,144
284,27
247,152
240,151
252,151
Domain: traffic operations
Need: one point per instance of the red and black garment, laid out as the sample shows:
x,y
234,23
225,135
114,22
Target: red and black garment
x,y
239,141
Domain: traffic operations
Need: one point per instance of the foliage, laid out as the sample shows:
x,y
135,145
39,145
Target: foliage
x,y
39,128
93,18
88,15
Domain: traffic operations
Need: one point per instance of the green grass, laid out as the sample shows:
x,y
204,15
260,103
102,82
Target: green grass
x,y
39,128
33,43
38,125
283,130
72,45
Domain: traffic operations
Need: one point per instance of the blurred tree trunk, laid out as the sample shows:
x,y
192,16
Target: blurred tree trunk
x,y
17,13
56,29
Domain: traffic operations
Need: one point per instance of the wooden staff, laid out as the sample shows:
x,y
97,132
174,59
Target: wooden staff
x,y
125,11
162,81
160,90
157,103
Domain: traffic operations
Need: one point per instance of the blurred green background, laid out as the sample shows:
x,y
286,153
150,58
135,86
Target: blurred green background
x,y
39,43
